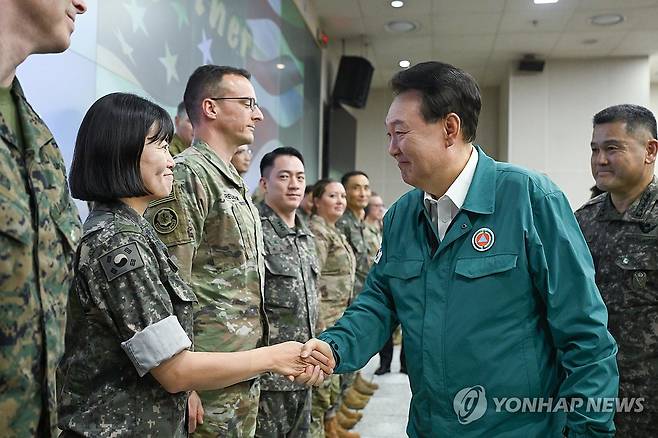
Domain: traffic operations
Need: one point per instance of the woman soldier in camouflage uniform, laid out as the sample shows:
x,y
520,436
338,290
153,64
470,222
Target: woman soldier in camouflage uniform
x,y
336,281
128,360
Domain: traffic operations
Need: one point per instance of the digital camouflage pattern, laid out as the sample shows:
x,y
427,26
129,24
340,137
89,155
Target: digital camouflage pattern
x,y
100,391
176,145
212,228
624,247
39,230
372,234
337,266
354,229
323,398
291,293
284,414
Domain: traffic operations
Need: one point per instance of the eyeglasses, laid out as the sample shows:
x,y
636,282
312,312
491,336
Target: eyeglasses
x,y
252,105
245,151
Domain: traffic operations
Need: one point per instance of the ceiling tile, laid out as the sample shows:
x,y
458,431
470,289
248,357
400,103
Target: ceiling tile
x,y
374,26
521,43
444,6
639,42
572,44
581,20
548,21
464,43
348,8
466,24
614,4
338,27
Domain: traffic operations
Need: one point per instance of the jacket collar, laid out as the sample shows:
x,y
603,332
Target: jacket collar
x,y
226,169
280,227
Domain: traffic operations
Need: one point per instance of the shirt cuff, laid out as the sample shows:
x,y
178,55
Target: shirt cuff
x,y
155,344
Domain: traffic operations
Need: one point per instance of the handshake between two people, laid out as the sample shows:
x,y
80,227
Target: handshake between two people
x,y
307,364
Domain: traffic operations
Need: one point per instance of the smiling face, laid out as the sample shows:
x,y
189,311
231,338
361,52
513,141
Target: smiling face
x,y
236,121
242,159
331,205
284,184
358,192
156,166
621,161
417,146
50,23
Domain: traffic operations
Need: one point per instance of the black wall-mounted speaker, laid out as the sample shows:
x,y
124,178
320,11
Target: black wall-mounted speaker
x,y
353,81
534,65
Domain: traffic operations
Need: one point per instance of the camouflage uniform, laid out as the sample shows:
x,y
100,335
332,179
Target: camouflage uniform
x,y
625,252
337,271
39,230
214,231
354,229
291,304
372,234
128,312
176,145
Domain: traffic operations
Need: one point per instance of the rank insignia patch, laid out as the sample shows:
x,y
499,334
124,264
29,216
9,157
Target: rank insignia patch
x,y
165,220
121,260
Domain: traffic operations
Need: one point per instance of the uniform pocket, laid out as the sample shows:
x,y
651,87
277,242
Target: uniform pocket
x,y
403,270
16,222
477,267
68,226
639,275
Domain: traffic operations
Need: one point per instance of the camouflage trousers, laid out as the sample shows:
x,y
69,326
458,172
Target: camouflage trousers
x,y
323,398
230,412
284,414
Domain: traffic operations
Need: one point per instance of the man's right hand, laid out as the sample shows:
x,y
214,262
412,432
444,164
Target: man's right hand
x,y
314,351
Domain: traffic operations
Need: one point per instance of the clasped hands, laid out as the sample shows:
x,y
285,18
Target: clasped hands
x,y
307,364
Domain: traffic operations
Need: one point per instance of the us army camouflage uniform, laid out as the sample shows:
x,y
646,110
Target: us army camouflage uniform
x,y
372,235
354,229
214,231
337,271
625,251
129,311
291,304
39,230
176,145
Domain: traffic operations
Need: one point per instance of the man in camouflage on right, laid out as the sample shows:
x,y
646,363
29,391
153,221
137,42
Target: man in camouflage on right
x,y
620,227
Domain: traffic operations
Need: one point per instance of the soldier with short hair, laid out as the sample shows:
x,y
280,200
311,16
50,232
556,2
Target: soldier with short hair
x,y
184,132
291,295
213,229
621,229
39,225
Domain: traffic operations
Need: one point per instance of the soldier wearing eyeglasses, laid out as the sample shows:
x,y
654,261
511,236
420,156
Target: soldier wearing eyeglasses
x,y
213,229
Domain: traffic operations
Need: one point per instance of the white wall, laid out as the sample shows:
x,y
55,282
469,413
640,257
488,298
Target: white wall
x,y
550,115
488,124
653,99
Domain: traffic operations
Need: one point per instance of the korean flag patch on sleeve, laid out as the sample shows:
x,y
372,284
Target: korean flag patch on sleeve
x,y
124,259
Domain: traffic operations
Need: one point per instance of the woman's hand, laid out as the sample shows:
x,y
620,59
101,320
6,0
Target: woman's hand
x,y
194,411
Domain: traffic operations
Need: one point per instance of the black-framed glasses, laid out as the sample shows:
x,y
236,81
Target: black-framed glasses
x,y
252,101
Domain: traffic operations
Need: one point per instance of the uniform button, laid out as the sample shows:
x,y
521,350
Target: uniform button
x,y
624,260
464,226
641,274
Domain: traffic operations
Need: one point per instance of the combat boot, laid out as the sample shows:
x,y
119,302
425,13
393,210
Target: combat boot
x,y
352,415
368,384
345,423
360,386
330,427
342,433
353,400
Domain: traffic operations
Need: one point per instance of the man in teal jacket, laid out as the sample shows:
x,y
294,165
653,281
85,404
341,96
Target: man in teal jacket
x,y
485,268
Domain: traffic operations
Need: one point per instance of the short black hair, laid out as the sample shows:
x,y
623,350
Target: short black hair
x,y
445,89
308,189
109,145
350,174
205,82
635,116
267,162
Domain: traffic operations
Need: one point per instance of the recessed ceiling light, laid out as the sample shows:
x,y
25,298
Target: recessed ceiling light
x,y
606,19
400,26
280,66
544,2
405,63
397,3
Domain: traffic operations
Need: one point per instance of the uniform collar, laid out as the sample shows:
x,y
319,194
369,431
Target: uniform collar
x,y
226,169
280,227
35,132
350,217
481,196
637,211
